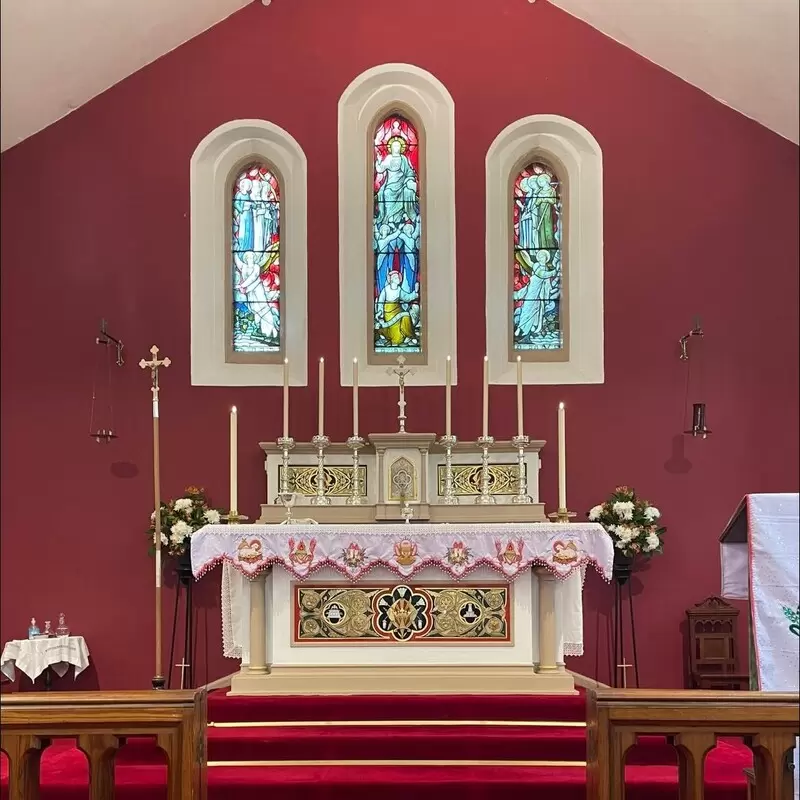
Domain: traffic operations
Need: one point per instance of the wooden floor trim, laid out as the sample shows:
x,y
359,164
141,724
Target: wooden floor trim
x,y
398,763
401,723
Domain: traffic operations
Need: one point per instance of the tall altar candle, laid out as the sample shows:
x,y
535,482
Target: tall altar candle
x,y
519,397
448,400
285,398
485,396
562,457
321,404
355,397
234,507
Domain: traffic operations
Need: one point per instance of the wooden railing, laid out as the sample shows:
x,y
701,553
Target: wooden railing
x,y
691,721
101,721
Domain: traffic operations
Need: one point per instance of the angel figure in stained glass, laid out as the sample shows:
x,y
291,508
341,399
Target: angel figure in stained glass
x,y
258,289
534,300
396,312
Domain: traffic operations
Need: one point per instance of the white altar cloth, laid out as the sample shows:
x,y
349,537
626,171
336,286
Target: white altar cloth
x,y
510,549
33,656
759,553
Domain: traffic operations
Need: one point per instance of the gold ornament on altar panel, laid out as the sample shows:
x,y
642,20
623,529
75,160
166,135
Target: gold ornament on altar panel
x,y
503,479
371,614
338,480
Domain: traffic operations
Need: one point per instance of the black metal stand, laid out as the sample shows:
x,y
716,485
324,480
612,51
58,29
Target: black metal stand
x,y
185,580
622,573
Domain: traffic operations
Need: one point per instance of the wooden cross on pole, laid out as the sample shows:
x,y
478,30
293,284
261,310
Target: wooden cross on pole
x,y
624,666
154,364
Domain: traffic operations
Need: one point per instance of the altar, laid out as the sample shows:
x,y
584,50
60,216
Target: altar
x,y
376,608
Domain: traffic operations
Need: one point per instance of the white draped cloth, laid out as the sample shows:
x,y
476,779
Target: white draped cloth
x,y
511,549
33,656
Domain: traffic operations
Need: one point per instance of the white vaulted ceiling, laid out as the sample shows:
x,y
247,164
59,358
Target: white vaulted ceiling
x,y
742,52
58,54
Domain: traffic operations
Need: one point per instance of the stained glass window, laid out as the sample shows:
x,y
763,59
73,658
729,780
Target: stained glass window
x,y
256,261
537,260
396,230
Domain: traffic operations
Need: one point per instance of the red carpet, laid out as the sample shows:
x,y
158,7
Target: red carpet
x,y
139,776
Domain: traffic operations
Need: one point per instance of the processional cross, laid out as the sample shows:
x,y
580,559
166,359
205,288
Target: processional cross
x,y
154,364
401,371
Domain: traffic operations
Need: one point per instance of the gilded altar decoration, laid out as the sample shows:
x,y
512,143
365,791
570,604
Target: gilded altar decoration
x,y
458,554
402,480
353,556
301,554
405,553
503,479
565,553
249,551
402,613
338,480
511,553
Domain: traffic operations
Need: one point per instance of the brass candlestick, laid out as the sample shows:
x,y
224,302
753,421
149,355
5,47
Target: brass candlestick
x,y
485,498
562,515
286,443
522,496
356,498
450,498
320,441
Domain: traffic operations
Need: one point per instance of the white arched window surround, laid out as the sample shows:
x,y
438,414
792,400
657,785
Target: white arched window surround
x,y
224,151
576,155
383,90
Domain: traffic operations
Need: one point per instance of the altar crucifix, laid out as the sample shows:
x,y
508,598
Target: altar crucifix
x,y
401,371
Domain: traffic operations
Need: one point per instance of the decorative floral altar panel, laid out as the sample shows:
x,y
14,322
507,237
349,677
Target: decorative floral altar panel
x,y
452,581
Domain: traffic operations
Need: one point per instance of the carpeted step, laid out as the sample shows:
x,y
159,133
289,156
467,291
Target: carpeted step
x,y
388,783
462,743
509,708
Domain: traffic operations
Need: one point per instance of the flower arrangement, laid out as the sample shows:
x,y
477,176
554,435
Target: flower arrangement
x,y
631,522
181,518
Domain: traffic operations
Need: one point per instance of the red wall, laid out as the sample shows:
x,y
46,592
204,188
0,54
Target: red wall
x,y
700,218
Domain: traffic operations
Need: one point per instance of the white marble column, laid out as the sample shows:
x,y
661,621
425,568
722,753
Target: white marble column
x,y
258,626
548,622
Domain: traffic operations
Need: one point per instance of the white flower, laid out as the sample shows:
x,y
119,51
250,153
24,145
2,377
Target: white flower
x,y
651,513
212,516
624,509
153,517
595,513
626,533
164,539
651,543
184,504
621,544
180,530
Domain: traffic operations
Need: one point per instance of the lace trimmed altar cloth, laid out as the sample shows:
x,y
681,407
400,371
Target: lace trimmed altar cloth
x,y
510,549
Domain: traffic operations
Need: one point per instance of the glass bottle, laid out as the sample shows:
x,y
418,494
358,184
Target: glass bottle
x,y
33,630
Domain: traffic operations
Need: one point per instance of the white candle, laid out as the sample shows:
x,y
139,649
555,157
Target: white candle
x,y
285,398
562,457
519,397
448,400
234,508
355,397
321,404
485,396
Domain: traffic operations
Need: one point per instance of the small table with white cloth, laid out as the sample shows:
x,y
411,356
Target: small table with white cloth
x,y
36,656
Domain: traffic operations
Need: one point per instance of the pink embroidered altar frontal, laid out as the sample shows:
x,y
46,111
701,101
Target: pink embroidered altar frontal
x,y
353,550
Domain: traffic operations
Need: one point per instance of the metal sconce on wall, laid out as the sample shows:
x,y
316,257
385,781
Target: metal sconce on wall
x,y
699,427
104,434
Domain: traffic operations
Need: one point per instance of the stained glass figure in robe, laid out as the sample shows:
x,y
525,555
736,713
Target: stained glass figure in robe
x,y
256,261
537,260
396,229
